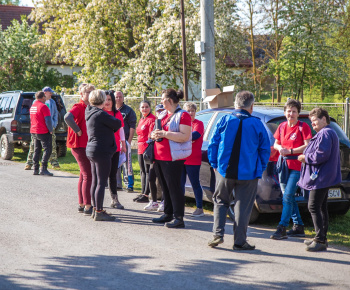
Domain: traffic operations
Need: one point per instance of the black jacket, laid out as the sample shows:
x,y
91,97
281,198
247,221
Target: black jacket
x,y
100,129
129,117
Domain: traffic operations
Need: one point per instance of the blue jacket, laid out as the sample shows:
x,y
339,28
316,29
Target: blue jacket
x,y
240,146
54,112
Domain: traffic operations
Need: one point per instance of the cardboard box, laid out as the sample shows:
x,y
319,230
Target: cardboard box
x,y
218,99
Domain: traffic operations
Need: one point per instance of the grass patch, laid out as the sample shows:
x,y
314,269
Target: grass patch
x,y
339,225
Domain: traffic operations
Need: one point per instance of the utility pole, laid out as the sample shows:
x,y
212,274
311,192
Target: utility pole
x,y
184,60
207,36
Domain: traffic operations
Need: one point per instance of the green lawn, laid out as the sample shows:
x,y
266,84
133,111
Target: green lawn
x,y
339,226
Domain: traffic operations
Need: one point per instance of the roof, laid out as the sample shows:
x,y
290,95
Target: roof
x,y
238,63
10,12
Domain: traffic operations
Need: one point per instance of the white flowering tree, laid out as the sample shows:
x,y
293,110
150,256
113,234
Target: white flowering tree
x,y
140,39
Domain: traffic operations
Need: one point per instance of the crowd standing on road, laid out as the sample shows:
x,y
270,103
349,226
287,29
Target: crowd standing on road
x,y
101,126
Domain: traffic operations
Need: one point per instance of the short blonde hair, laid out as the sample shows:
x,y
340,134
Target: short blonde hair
x,y
86,88
81,87
97,97
190,105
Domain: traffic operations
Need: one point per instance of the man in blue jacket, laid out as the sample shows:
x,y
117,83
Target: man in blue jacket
x,y
238,152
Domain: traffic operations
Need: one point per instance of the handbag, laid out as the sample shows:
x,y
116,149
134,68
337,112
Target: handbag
x,y
148,155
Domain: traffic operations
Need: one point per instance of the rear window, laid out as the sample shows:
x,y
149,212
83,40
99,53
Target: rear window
x,y
273,125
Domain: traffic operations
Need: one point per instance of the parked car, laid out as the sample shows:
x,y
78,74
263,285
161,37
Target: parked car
x,y
15,123
269,195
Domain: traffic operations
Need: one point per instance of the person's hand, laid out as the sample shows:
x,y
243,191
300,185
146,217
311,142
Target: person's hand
x,y
301,158
80,133
123,147
284,152
158,134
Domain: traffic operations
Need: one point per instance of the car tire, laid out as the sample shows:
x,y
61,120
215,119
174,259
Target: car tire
x,y
61,149
253,216
6,148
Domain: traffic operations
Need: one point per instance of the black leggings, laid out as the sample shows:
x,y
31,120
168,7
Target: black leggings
x,y
100,168
169,174
148,178
113,173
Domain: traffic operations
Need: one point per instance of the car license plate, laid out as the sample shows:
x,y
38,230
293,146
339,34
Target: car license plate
x,y
334,193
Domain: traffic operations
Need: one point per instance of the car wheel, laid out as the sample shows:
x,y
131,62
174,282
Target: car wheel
x,y
6,148
61,149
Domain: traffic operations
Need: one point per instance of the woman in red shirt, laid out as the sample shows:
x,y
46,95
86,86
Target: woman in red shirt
x,y
194,161
173,145
143,131
111,109
77,140
292,138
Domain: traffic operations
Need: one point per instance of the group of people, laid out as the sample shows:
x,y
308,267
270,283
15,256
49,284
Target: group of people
x,y
101,127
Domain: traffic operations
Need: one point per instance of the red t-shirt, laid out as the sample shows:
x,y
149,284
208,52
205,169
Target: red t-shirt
x,y
196,157
143,130
38,112
118,116
73,140
162,149
293,137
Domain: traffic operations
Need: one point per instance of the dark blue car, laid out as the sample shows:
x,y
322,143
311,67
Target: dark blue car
x,y
269,195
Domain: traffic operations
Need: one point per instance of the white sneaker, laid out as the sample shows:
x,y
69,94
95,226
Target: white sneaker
x,y
198,212
161,207
151,206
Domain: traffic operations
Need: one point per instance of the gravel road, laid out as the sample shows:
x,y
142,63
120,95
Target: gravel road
x,y
46,244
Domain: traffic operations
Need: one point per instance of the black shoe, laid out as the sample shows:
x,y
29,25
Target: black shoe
x,y
309,242
216,241
296,231
163,219
245,247
143,199
316,247
103,216
177,223
80,209
130,189
138,197
280,233
88,211
36,171
45,172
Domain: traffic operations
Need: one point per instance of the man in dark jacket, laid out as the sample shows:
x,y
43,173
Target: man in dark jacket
x,y
238,152
41,129
129,118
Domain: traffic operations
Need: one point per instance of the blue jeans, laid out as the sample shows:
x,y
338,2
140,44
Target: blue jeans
x,y
193,174
290,206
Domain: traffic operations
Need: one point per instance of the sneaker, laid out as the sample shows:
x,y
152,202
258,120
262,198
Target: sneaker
x,y
28,167
216,241
316,247
138,197
176,223
309,242
245,247
280,233
80,209
296,231
198,212
88,211
161,207
117,205
152,206
165,218
130,189
143,199
103,216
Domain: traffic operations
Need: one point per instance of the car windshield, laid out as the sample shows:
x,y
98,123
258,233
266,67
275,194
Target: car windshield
x,y
273,125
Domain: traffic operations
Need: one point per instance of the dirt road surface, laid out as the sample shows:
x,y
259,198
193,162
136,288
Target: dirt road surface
x,y
46,244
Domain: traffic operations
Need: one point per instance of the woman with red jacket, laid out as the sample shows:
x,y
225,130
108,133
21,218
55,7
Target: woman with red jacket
x,y
77,139
111,109
148,180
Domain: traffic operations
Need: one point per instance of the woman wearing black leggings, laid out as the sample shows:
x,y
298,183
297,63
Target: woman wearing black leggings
x,y
100,148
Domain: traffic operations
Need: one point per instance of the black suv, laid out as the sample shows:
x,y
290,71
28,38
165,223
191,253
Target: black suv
x,y
15,123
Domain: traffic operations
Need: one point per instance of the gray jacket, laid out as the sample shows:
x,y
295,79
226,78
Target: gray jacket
x,y
178,150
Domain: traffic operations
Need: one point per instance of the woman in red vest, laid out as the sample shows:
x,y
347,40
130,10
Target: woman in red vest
x,y
77,139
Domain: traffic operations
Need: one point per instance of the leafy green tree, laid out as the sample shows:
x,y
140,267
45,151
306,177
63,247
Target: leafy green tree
x,y
10,2
22,65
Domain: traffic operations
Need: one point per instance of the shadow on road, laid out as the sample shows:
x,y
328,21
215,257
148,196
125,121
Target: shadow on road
x,y
123,272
